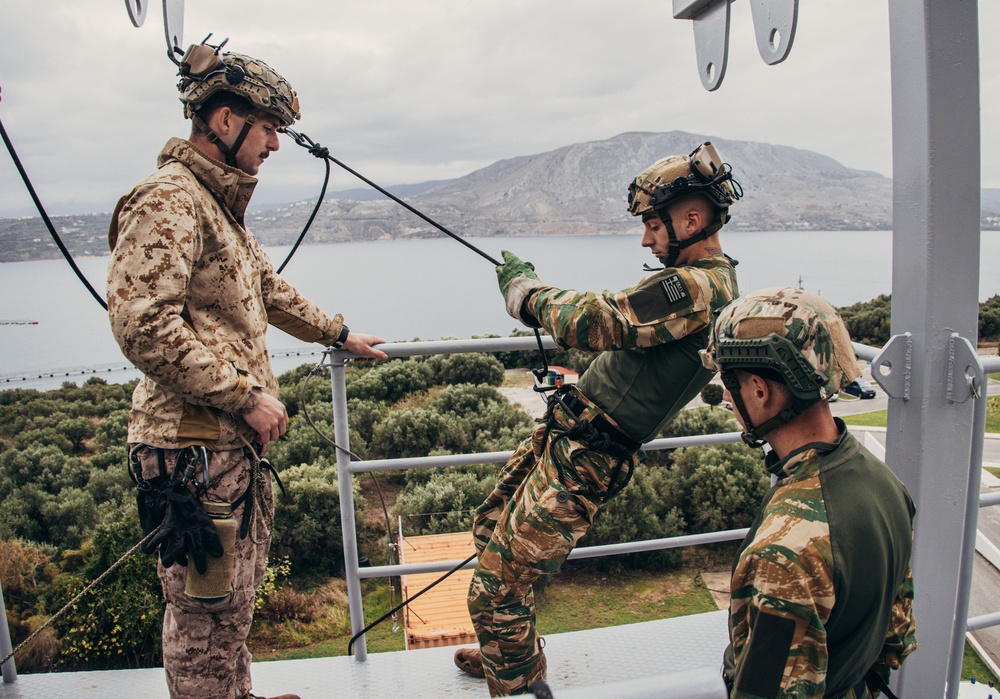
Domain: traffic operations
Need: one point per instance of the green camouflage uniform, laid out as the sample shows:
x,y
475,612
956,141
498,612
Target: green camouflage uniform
x,y
553,485
190,296
822,590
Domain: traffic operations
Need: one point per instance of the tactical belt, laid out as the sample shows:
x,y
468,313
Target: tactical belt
x,y
572,402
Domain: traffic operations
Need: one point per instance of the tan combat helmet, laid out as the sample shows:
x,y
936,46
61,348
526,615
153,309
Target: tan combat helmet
x,y
704,173
205,71
795,334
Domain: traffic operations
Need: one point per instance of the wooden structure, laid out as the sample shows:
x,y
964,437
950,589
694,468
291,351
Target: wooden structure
x,y
440,617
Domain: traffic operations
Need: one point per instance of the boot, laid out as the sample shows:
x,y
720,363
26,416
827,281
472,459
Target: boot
x,y
251,695
470,661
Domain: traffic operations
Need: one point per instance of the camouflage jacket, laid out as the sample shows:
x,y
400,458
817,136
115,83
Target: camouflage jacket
x,y
655,329
822,589
190,295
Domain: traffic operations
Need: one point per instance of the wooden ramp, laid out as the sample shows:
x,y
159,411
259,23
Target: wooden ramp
x,y
439,617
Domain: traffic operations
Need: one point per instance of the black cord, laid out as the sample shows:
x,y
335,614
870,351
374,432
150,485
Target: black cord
x,y
45,218
393,545
319,202
362,632
321,152
391,612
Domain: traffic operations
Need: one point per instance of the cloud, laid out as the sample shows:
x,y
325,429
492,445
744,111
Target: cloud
x,y
406,91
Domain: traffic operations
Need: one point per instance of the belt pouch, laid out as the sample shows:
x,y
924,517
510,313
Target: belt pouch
x,y
216,583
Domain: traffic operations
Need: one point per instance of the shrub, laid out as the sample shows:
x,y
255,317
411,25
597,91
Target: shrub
x,y
717,487
117,624
695,421
443,503
475,368
635,514
307,519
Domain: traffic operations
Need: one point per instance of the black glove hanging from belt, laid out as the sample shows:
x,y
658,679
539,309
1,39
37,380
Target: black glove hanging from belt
x,y
185,529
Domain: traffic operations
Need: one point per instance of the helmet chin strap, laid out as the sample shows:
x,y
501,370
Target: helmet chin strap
x,y
754,437
675,246
228,152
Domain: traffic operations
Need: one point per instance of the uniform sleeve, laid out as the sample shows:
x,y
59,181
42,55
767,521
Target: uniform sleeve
x,y
780,639
290,311
148,275
901,636
664,307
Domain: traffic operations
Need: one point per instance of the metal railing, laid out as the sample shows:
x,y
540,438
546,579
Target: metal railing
x,y
346,468
338,361
694,684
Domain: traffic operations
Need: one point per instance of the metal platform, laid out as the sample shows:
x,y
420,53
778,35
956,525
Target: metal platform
x,y
575,659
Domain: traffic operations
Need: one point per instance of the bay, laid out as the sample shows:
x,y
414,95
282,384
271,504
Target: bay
x,y
424,289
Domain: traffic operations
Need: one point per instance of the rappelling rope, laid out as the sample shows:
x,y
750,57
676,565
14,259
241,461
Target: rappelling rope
x,y
45,217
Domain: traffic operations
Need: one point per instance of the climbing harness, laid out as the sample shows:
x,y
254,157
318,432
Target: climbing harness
x,y
599,435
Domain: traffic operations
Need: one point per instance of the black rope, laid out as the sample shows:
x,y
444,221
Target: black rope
x,y
362,632
319,202
321,152
45,218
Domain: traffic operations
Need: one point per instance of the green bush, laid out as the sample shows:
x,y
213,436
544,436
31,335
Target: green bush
x,y
443,503
716,487
636,514
116,625
474,368
307,518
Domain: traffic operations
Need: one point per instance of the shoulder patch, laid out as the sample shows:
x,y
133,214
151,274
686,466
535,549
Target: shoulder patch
x,y
674,288
659,297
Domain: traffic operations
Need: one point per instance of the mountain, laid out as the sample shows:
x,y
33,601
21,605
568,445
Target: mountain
x,y
579,189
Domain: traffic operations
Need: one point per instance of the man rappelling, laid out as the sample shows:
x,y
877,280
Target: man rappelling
x,y
585,451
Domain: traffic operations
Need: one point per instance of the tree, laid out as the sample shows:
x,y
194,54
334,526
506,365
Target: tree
x,y
712,394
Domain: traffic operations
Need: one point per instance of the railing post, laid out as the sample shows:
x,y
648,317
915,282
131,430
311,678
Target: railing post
x,y
8,668
345,483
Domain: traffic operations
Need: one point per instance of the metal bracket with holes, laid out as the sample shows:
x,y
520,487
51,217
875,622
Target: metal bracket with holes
x,y
774,24
892,367
173,23
965,370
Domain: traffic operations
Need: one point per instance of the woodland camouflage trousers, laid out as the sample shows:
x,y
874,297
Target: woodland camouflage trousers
x,y
204,644
526,528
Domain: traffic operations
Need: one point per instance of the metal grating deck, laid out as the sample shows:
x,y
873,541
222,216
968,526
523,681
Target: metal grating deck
x,y
576,659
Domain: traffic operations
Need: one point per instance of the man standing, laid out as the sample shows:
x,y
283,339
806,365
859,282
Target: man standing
x,y
584,453
822,591
190,295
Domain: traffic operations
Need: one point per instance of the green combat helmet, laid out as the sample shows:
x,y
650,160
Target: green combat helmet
x,y
704,173
789,332
205,71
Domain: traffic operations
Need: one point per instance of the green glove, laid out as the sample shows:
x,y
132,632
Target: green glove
x,y
512,268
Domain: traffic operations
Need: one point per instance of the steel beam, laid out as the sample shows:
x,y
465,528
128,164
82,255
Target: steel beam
x,y
935,280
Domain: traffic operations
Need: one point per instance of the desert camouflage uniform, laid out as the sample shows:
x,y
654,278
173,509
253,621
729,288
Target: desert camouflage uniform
x,y
190,295
553,485
822,590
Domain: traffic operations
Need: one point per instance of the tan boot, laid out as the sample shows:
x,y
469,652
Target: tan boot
x,y
470,661
280,696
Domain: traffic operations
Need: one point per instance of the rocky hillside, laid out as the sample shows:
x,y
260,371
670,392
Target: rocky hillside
x,y
578,189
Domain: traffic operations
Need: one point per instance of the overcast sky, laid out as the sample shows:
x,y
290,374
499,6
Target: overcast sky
x,y
407,91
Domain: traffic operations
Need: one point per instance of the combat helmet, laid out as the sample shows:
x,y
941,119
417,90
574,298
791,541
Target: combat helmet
x,y
788,332
205,71
702,172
